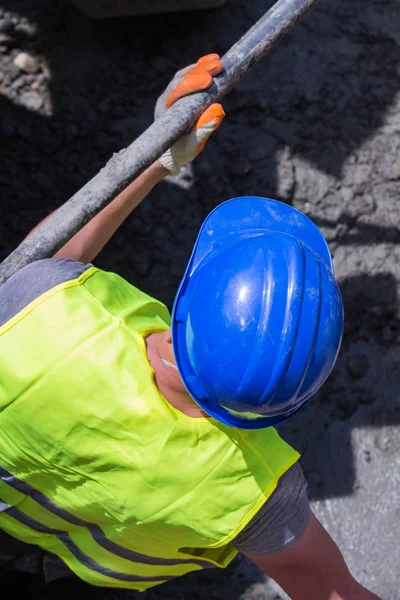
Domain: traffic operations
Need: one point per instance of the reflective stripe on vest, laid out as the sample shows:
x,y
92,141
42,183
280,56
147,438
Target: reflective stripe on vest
x,y
97,467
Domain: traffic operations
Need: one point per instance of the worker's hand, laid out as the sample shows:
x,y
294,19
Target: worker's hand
x,y
193,79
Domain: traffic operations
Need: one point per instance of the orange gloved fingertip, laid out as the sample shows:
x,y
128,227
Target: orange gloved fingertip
x,y
193,81
215,112
208,57
198,78
211,63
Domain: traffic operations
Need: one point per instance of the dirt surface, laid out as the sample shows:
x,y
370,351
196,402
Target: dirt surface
x,y
317,125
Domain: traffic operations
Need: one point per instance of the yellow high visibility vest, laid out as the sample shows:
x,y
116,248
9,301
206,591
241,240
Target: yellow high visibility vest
x,y
96,466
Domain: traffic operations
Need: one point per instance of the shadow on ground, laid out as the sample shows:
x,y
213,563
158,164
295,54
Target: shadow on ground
x,y
294,126
361,392
320,95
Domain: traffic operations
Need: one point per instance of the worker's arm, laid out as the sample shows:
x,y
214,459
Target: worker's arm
x,y
313,568
92,238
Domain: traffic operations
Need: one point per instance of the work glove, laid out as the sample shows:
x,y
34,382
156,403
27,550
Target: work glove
x,y
194,78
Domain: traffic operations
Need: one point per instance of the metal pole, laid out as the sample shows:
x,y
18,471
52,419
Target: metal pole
x,y
127,164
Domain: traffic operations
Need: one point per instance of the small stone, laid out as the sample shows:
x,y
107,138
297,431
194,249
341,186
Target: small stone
x,y
396,169
26,62
31,100
29,79
361,174
17,84
6,40
385,441
26,31
357,365
347,194
13,72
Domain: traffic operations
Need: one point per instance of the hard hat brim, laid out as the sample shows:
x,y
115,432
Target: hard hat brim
x,y
248,213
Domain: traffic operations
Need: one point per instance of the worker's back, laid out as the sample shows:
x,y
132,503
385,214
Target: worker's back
x,y
97,467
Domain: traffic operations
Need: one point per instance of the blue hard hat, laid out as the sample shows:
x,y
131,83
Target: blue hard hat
x,y
258,318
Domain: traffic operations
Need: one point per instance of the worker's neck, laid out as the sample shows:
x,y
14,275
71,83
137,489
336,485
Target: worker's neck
x,y
167,379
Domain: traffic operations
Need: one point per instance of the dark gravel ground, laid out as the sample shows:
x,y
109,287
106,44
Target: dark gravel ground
x,y
317,125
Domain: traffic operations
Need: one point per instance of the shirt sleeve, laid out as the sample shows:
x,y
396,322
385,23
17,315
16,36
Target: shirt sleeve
x,y
281,521
32,281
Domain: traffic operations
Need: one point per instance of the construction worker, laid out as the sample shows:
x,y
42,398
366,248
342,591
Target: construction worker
x,y
135,448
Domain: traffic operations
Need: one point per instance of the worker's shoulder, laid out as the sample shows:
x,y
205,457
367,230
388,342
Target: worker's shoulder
x,y
33,280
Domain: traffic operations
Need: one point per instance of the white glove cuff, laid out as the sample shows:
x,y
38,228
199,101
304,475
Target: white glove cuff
x,y
168,162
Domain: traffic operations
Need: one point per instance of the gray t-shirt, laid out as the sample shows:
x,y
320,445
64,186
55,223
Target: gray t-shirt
x,y
280,522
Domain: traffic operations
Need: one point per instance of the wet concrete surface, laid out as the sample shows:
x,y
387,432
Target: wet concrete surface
x,y
317,125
